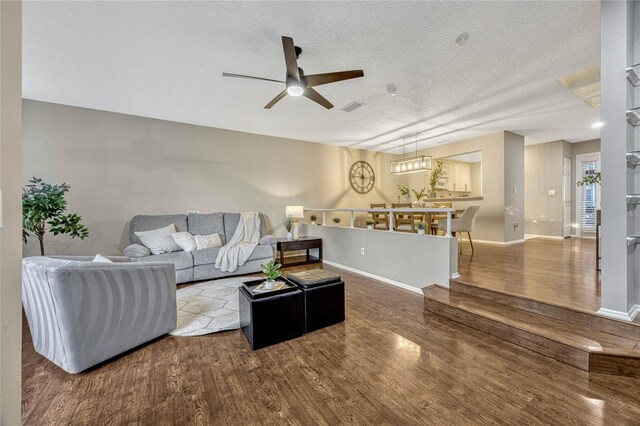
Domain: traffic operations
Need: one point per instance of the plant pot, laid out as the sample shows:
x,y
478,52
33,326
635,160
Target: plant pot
x,y
313,222
337,224
420,231
289,236
269,284
369,226
432,195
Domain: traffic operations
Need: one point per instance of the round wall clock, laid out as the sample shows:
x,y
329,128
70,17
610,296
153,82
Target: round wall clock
x,y
362,177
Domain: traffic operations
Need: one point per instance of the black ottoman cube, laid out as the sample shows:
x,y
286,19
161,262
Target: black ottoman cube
x,y
272,317
323,298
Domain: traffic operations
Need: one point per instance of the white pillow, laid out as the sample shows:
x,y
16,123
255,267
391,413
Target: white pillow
x,y
207,241
101,259
159,241
184,240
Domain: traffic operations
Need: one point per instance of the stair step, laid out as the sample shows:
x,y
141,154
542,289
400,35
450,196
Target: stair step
x,y
583,347
583,318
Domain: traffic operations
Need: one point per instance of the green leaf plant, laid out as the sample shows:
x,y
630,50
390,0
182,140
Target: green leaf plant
x,y
43,210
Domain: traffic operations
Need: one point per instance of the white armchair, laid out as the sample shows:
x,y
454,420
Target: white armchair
x,y
464,223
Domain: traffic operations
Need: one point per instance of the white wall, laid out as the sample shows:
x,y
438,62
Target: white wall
x,y
120,165
409,259
10,234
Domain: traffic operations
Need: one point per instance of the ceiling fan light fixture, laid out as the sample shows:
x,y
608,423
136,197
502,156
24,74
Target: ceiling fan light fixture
x,y
295,89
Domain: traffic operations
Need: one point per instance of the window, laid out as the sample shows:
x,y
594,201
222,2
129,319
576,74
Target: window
x,y
588,195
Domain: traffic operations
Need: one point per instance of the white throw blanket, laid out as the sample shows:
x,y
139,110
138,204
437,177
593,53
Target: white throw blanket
x,y
237,250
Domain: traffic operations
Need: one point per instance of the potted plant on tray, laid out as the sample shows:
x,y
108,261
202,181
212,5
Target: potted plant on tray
x,y
420,226
336,220
313,218
370,224
272,271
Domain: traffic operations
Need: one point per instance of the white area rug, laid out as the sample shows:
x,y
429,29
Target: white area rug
x,y
208,307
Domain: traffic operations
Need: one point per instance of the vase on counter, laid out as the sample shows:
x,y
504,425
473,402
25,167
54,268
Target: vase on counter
x,y
289,236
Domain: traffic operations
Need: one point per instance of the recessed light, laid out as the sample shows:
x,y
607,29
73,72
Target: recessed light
x,y
392,89
597,124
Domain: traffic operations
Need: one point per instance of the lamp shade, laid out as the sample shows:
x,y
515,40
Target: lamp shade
x,y
295,212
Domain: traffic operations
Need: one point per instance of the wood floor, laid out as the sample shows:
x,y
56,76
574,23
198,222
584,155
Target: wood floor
x,y
560,272
389,363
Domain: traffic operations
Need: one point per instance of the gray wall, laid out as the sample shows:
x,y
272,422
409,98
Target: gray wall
x,y
10,234
120,165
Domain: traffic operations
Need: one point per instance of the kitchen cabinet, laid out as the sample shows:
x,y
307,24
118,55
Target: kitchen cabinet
x,y
459,177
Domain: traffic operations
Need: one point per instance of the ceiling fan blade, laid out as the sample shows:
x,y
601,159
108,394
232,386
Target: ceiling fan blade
x,y
331,77
226,74
276,99
317,98
290,58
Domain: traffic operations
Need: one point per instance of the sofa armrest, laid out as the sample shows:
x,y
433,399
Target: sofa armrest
x,y
136,250
268,240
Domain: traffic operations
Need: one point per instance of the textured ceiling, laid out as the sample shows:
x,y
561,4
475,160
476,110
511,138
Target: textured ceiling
x,y
165,59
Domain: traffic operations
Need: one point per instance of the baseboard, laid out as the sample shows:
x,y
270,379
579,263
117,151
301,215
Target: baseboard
x,y
375,277
549,237
620,315
493,243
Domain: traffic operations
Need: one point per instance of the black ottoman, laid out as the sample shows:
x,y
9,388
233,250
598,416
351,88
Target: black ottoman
x,y
323,298
272,317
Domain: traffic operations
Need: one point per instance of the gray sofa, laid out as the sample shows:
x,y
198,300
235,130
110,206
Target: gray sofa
x,y
199,264
81,313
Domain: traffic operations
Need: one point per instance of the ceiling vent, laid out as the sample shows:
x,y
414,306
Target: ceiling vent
x,y
585,85
353,105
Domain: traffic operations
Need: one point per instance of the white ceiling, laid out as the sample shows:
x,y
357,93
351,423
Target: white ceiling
x,y
165,59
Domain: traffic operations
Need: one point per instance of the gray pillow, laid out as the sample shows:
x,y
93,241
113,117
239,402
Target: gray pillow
x,y
137,250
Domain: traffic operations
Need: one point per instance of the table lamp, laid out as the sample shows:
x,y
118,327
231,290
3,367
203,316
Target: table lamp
x,y
295,213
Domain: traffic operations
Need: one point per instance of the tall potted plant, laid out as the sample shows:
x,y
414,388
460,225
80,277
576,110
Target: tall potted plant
x,y
43,210
436,173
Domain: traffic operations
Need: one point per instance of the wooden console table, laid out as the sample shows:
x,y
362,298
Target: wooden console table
x,y
303,243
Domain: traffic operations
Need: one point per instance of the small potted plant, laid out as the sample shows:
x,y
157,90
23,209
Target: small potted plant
x,y
370,224
288,225
420,226
313,218
336,220
272,271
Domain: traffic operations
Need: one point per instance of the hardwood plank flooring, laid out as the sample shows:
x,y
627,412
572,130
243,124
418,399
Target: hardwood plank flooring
x,y
390,362
560,272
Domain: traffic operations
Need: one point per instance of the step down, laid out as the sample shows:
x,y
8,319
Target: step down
x,y
572,342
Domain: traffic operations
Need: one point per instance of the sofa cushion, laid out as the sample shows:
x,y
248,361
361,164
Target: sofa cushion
x,y
136,250
181,259
262,252
208,256
142,223
205,256
231,221
206,224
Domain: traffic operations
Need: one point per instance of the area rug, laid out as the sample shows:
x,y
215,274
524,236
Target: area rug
x,y
208,307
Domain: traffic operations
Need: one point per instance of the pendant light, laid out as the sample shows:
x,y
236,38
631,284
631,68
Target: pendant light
x,y
417,163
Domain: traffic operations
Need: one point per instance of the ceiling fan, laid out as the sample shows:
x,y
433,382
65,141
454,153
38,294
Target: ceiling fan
x,y
296,82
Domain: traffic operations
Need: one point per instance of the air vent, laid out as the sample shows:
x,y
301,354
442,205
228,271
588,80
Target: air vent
x,y
353,105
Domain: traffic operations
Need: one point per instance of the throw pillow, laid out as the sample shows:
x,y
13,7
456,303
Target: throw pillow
x,y
101,259
136,250
159,241
185,241
207,241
